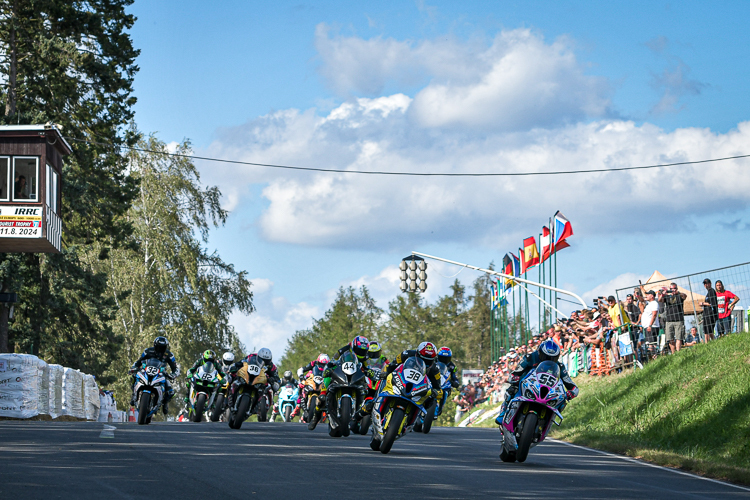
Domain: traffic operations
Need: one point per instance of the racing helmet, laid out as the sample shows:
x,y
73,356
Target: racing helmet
x,y
444,355
209,356
427,353
549,351
359,346
374,351
265,355
161,345
288,375
323,359
228,358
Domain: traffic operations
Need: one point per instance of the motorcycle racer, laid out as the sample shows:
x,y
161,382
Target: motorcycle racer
x,y
321,362
227,360
547,351
287,381
272,373
207,357
444,356
159,351
427,353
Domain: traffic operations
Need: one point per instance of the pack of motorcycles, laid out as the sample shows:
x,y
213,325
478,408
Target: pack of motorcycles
x,y
401,401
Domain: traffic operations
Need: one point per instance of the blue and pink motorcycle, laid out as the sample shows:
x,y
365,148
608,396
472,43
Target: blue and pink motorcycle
x,y
538,403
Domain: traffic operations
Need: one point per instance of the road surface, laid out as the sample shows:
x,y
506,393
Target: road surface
x,y
77,460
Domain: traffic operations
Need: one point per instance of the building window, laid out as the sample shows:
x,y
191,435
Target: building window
x,y
52,187
4,179
25,179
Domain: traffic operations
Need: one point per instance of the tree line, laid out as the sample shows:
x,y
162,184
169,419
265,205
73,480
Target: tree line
x,y
459,320
134,263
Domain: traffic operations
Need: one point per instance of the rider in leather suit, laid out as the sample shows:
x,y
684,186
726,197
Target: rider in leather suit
x,y
547,351
159,351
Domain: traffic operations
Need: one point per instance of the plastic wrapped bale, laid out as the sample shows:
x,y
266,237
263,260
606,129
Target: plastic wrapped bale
x,y
72,393
55,374
19,385
43,394
91,398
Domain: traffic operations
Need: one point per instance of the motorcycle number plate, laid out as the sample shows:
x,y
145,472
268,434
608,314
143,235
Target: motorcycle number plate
x,y
318,380
152,371
253,369
207,376
412,376
349,368
547,379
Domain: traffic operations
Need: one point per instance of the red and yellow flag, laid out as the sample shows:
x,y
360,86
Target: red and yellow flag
x,y
530,254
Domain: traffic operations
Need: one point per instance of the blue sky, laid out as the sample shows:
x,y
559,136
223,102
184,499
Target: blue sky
x,y
452,86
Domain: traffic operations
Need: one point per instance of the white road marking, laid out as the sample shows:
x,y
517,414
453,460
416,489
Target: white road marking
x,y
108,432
648,464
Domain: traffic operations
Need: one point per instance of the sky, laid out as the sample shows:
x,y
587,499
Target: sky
x,y
453,87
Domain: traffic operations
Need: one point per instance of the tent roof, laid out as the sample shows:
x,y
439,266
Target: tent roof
x,y
693,300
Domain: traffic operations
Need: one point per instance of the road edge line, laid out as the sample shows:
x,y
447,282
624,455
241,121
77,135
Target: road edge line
x,y
649,464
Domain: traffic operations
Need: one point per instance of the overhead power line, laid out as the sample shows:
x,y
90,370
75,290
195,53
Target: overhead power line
x,y
418,174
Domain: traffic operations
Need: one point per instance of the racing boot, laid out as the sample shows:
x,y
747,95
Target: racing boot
x,y
165,408
501,415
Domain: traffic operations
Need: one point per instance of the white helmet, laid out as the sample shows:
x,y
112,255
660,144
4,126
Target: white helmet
x,y
265,355
228,358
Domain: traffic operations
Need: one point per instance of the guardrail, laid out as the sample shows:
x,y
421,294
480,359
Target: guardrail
x,y
30,388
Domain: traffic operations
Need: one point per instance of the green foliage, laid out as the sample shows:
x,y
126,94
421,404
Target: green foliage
x,y
687,410
163,281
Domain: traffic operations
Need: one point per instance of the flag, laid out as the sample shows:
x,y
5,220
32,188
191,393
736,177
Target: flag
x,y
508,269
529,255
516,265
493,296
544,242
562,229
501,299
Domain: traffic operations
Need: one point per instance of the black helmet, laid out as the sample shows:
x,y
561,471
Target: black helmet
x,y
161,345
288,375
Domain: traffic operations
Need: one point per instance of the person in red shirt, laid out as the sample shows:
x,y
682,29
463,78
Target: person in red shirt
x,y
726,302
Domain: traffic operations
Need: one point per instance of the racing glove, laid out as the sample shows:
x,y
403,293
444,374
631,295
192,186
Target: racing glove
x,y
570,395
299,373
275,386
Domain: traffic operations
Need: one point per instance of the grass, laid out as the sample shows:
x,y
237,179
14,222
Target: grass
x,y
690,410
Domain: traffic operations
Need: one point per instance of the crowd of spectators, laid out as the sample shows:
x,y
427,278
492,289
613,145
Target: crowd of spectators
x,y
634,323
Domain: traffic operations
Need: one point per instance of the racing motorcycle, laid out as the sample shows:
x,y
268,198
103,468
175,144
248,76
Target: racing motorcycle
x,y
250,393
204,386
372,391
288,395
150,385
400,404
219,408
540,397
424,424
311,392
348,382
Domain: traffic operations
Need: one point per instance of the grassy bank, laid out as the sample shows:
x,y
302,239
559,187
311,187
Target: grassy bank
x,y
690,410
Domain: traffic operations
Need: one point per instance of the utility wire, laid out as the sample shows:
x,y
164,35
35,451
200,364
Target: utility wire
x,y
416,174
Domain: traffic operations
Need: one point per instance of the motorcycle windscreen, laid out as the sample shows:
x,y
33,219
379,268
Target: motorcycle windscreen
x,y
416,364
549,367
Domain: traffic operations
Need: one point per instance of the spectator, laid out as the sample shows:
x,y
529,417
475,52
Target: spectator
x,y
632,309
650,319
710,311
726,301
673,301
692,338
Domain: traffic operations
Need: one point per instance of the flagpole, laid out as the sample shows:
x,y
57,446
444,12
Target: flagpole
x,y
551,252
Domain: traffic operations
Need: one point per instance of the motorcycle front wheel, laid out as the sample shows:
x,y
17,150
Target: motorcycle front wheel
x,y
527,435
428,418
311,408
346,415
288,414
394,426
218,407
242,409
200,402
144,407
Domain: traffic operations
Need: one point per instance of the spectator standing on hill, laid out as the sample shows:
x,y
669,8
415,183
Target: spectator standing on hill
x,y
673,301
632,309
692,338
710,311
649,318
726,302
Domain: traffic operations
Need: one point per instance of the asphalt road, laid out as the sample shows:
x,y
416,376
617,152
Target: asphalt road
x,y
274,460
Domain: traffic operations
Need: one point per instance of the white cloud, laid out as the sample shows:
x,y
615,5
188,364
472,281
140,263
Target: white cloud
x,y
609,288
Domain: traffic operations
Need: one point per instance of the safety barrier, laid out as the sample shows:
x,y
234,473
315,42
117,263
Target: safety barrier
x,y
29,387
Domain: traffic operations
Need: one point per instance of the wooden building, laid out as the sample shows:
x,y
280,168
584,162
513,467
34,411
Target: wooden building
x,y
31,160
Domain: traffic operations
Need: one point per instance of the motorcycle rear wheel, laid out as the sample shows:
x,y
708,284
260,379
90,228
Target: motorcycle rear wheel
x,y
144,406
428,418
527,435
288,414
242,409
262,410
218,407
394,426
200,402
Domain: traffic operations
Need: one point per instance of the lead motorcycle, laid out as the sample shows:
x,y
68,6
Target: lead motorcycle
x,y
149,388
250,393
538,402
400,404
204,387
344,395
